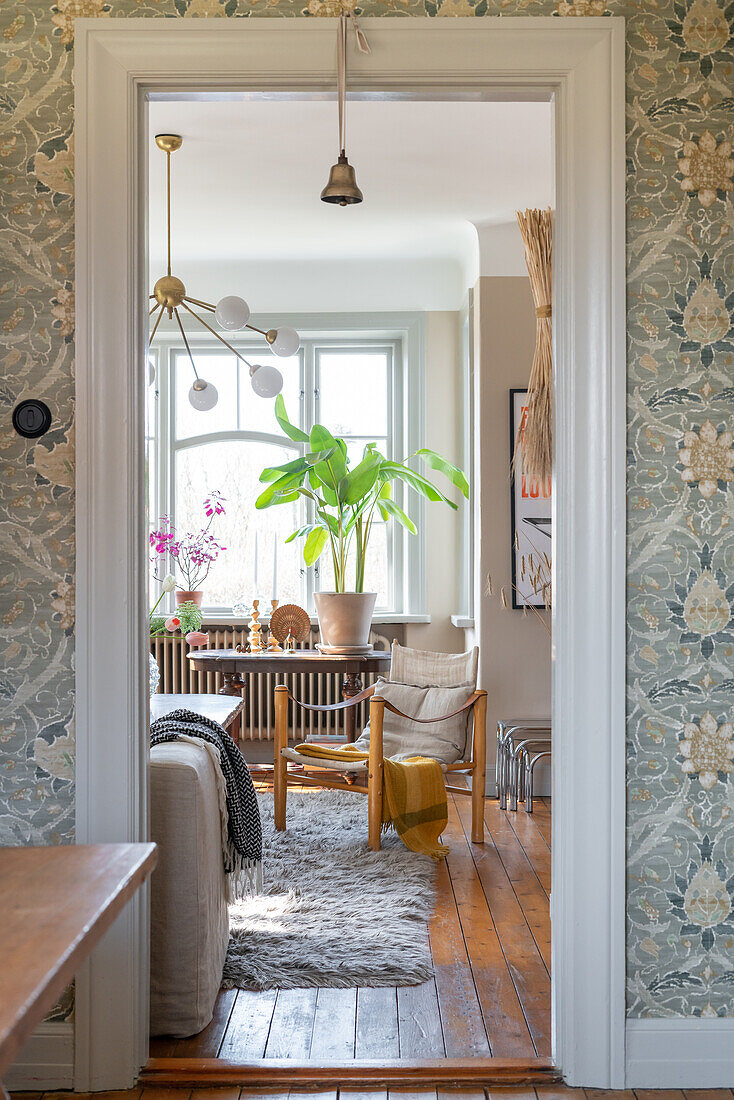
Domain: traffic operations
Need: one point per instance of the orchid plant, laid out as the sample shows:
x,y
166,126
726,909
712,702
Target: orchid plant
x,y
195,552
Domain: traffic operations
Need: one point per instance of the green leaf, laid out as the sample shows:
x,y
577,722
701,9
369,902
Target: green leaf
x,y
390,508
301,531
417,482
289,429
331,471
274,494
358,484
315,543
317,484
456,476
303,463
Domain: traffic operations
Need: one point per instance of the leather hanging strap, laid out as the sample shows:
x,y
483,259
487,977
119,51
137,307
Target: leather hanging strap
x,y
341,67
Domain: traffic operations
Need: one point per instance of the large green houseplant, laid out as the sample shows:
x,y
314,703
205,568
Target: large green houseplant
x,y
344,503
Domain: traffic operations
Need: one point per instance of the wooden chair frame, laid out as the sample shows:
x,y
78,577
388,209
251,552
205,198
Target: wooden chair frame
x,y
477,765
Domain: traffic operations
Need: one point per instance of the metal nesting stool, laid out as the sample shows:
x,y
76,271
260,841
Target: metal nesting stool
x,y
516,738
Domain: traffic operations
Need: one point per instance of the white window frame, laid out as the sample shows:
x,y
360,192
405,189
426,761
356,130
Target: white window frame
x,y
403,337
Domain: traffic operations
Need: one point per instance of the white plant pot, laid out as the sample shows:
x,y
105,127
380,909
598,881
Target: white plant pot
x,y
345,618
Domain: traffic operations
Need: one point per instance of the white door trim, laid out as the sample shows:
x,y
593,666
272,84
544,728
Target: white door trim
x,y
581,64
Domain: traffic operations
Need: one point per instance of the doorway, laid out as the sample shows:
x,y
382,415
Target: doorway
x,y
488,57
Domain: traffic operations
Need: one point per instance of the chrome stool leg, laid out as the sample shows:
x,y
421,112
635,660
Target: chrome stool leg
x,y
529,769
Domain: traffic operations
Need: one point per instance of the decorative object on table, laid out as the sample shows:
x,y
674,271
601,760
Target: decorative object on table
x,y
231,313
323,933
274,645
429,719
289,624
530,512
344,502
242,842
254,629
187,620
536,227
342,190
192,554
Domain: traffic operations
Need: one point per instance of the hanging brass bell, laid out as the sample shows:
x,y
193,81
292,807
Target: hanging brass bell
x,y
342,186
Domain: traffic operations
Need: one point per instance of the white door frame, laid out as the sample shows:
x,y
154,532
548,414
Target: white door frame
x,y
578,62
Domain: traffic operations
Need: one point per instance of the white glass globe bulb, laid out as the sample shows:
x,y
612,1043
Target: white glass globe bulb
x,y
232,312
286,342
267,381
203,395
151,372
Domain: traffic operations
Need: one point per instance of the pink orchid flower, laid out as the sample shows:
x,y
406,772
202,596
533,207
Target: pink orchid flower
x,y
173,623
197,637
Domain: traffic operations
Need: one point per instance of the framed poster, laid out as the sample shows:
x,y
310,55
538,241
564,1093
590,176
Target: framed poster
x,y
530,513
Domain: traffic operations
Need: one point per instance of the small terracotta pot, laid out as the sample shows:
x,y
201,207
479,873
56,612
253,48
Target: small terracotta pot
x,y
184,597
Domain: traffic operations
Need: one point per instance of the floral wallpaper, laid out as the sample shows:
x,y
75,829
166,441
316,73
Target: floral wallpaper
x,y
680,459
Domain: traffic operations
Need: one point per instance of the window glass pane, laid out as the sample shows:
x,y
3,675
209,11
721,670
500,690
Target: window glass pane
x,y
353,392
255,540
377,572
221,370
257,414
355,448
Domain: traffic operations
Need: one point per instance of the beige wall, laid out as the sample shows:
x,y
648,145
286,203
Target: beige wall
x,y
515,653
443,526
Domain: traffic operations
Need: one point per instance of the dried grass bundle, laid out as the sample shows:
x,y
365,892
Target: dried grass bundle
x,y
537,442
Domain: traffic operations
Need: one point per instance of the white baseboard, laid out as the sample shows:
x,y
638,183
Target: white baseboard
x,y
690,1053
46,1061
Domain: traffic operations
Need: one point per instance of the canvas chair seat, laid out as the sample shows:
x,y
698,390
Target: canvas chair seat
x,y
344,766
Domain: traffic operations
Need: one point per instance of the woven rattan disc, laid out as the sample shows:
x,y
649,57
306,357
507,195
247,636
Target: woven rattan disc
x,y
290,619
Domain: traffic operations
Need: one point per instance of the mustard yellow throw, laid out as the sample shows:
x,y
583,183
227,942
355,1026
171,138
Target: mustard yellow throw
x,y
413,796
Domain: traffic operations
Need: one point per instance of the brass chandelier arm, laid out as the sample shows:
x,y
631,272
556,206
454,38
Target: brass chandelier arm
x,y
155,326
215,333
155,307
202,305
183,334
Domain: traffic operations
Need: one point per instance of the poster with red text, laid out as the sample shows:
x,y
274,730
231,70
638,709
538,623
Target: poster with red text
x,y
530,518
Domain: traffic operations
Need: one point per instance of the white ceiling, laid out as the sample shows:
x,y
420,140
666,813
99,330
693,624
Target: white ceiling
x,y
247,180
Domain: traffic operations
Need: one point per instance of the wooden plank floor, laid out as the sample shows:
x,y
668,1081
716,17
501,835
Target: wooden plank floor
x,y
490,996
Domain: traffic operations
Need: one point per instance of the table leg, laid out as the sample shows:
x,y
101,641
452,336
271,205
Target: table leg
x,y
232,684
351,686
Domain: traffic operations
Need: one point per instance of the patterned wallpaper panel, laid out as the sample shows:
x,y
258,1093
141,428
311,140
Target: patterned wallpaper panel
x,y
680,461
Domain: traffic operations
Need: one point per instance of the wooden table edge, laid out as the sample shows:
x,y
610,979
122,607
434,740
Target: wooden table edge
x,y
44,996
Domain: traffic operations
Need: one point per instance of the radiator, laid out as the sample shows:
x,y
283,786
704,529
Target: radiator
x,y
258,720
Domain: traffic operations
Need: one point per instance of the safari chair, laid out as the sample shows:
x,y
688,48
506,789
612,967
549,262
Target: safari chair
x,y
430,678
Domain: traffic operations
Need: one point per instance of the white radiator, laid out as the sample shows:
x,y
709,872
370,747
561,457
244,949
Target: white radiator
x,y
178,678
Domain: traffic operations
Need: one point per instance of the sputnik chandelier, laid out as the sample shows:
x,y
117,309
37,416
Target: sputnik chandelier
x,y
231,313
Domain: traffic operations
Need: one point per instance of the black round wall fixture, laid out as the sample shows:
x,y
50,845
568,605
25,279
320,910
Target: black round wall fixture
x,y
31,418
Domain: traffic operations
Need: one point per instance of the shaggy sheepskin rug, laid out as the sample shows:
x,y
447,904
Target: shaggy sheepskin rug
x,y
332,912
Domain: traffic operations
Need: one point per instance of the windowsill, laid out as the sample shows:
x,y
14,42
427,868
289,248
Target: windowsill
x,y
463,622
383,617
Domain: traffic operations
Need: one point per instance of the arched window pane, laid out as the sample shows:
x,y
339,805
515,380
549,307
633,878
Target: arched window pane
x,y
255,540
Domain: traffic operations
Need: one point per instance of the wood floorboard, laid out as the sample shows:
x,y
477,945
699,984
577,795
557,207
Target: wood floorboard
x,y
463,1028
334,1025
504,1021
419,1021
542,817
208,1042
249,1026
529,973
377,1023
230,1093
532,844
292,1024
529,889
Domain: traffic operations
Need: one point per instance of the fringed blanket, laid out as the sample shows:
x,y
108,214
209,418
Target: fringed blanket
x,y
241,829
414,796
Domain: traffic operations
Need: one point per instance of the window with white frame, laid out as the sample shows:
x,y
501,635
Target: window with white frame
x,y
357,385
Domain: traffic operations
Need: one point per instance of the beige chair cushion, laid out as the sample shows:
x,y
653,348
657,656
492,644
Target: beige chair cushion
x,y
189,915
442,741
425,669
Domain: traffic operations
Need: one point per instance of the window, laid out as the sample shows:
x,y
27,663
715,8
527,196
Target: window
x,y
354,382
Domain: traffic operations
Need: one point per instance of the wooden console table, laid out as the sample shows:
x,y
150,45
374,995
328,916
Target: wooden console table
x,y
224,709
56,904
233,664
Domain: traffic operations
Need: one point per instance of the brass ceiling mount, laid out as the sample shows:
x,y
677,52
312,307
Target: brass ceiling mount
x,y
168,143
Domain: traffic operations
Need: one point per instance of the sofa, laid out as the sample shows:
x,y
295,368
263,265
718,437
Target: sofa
x,y
189,916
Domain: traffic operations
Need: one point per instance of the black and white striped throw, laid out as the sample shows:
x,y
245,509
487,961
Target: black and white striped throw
x,y
242,838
